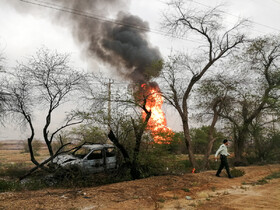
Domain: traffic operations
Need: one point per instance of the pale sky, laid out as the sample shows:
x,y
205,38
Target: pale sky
x,y
21,34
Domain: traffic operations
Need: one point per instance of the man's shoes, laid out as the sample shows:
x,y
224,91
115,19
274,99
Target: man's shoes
x,y
217,175
230,177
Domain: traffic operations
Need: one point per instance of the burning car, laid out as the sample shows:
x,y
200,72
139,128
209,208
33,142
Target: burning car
x,y
89,158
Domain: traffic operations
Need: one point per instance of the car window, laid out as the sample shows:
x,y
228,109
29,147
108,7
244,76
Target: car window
x,y
110,152
81,153
97,154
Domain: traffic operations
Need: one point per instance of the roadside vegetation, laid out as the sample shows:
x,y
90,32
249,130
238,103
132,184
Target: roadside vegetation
x,y
265,180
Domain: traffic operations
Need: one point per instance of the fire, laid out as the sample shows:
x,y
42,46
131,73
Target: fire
x,y
157,123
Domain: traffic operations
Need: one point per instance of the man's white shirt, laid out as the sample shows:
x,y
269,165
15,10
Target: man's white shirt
x,y
222,150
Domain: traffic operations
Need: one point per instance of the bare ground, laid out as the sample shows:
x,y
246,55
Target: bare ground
x,y
163,192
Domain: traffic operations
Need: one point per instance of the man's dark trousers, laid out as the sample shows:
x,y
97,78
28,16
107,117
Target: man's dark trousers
x,y
224,163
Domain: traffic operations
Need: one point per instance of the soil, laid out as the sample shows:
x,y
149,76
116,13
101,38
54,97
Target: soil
x,y
205,190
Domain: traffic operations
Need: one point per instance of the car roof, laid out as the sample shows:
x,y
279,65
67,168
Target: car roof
x,y
98,146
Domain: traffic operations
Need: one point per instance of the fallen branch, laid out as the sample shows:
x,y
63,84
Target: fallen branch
x,y
59,152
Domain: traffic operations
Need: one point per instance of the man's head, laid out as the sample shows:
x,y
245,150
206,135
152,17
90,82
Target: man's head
x,y
225,142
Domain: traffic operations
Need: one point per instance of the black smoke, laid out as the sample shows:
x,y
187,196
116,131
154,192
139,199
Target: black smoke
x,y
121,42
105,30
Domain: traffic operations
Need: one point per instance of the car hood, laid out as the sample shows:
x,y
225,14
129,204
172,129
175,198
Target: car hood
x,y
62,159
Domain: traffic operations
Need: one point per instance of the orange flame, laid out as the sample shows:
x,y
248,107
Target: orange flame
x,y
157,123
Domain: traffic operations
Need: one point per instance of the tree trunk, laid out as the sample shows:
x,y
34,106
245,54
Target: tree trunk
x,y
211,141
238,150
115,141
133,165
45,132
138,132
239,144
134,170
29,140
189,145
211,138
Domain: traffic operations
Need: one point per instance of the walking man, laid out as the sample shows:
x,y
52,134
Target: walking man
x,y
223,156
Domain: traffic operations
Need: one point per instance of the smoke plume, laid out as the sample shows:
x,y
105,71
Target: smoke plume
x,y
114,36
122,43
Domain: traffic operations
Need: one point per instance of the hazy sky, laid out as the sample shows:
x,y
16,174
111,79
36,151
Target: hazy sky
x,y
22,33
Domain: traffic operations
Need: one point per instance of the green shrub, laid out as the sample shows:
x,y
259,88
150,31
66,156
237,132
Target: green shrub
x,y
158,161
35,184
274,175
30,184
262,181
177,145
86,133
13,170
213,165
9,186
179,166
266,147
151,162
237,172
69,178
252,159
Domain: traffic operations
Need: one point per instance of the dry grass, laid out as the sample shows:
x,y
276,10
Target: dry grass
x,y
17,156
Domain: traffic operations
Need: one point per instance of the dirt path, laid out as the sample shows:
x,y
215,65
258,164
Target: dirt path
x,y
247,197
237,194
165,192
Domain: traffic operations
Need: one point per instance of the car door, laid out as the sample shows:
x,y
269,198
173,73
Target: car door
x,y
94,162
111,159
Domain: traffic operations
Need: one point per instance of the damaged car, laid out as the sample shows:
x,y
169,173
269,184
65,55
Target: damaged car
x,y
92,158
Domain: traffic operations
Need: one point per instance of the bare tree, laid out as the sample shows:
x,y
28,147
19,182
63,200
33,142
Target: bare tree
x,y
258,93
138,128
252,93
264,133
216,43
45,81
3,94
118,108
20,93
212,98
